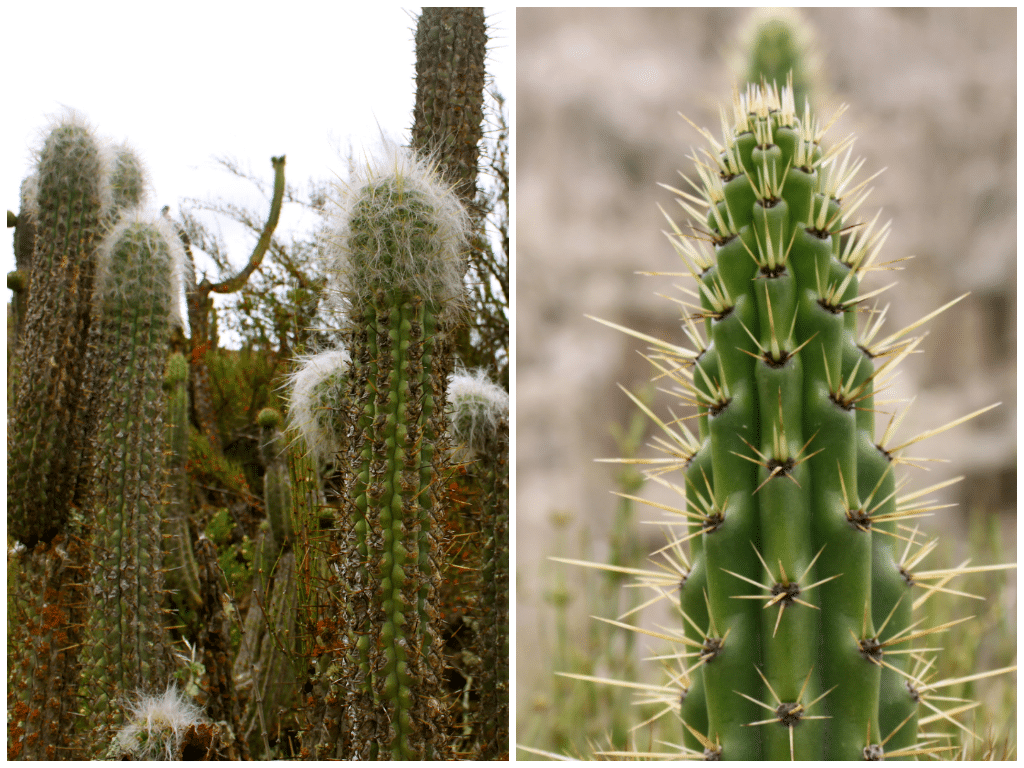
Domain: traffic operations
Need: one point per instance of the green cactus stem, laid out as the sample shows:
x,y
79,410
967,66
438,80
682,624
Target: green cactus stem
x,y
136,296
129,179
479,429
794,594
45,615
24,243
276,487
398,264
266,660
448,114
47,439
180,563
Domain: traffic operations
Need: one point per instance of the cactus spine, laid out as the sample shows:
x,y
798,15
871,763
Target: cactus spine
x,y
795,596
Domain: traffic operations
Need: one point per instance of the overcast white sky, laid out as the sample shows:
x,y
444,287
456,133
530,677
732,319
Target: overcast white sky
x,y
187,81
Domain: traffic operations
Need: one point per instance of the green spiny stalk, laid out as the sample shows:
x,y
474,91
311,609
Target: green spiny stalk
x,y
24,244
65,203
129,180
331,595
276,487
797,588
479,427
127,648
266,659
398,264
777,45
448,115
45,615
72,201
179,561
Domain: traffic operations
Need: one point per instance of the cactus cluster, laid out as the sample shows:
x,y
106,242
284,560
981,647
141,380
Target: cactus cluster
x,y
194,574
796,587
87,446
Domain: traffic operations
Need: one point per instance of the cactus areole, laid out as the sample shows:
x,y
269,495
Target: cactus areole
x,y
794,600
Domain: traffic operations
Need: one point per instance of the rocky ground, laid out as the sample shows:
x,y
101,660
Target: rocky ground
x,y
931,95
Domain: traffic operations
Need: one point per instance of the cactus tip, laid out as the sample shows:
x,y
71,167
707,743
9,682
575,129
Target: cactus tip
x,y
399,227
306,408
269,418
478,407
159,235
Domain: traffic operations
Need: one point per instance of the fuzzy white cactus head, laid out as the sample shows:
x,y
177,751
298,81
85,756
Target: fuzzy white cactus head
x,y
156,726
73,153
149,238
479,408
129,179
317,390
398,228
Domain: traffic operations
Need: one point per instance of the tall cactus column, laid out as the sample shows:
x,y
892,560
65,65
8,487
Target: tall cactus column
x,y
127,649
65,202
796,603
479,428
451,44
72,198
399,263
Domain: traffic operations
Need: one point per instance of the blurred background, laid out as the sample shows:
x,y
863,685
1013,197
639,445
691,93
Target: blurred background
x,y
932,97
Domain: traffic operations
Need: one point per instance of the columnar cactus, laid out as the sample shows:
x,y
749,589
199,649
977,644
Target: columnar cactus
x,y
398,265
479,428
796,591
448,115
180,562
47,440
267,660
127,647
65,204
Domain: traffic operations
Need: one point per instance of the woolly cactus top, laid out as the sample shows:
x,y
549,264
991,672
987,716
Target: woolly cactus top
x,y
156,727
400,229
478,408
72,156
317,386
129,179
124,275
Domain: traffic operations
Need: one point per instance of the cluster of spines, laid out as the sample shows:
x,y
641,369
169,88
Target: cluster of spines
x,y
785,466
